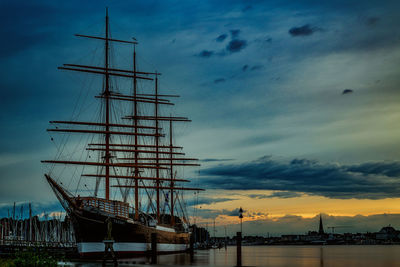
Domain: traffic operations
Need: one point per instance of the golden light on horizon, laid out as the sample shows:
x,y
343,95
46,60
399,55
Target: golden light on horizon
x,y
305,206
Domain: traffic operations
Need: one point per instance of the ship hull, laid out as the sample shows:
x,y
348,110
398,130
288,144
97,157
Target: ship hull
x,y
129,238
127,249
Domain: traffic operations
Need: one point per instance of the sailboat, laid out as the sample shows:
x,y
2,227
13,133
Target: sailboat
x,y
137,164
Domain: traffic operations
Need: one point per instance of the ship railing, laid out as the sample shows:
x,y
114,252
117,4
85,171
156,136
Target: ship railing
x,y
114,207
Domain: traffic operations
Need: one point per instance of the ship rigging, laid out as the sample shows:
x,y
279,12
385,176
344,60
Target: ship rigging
x,y
135,151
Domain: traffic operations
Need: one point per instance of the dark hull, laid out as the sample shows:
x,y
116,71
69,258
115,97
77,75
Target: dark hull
x,y
130,238
94,219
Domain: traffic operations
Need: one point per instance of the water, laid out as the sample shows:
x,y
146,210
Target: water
x,y
282,256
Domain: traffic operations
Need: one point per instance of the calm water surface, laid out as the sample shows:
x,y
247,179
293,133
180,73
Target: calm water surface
x,y
282,256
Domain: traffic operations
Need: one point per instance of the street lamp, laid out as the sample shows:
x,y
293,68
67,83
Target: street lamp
x,y
241,218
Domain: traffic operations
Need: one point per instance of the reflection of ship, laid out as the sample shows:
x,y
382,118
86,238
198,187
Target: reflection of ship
x,y
134,159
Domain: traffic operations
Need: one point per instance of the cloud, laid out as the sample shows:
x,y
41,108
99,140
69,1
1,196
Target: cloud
x,y
388,169
221,38
207,213
374,180
214,213
234,212
233,46
235,33
220,80
264,42
214,160
304,30
247,8
347,91
206,54
236,45
372,21
257,67
303,162
207,201
278,194
257,140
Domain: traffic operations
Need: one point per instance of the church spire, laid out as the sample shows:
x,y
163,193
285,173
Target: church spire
x,y
321,226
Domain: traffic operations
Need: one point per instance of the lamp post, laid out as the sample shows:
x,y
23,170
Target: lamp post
x,y
239,240
241,218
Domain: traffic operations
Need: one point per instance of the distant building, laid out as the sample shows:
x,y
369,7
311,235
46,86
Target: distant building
x,y
387,233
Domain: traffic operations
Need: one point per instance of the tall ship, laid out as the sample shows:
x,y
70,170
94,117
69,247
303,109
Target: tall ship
x,y
128,163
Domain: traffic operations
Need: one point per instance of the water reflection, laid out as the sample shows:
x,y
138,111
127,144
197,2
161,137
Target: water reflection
x,y
321,256
279,256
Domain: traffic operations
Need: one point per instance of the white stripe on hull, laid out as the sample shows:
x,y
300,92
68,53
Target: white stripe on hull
x,y
93,247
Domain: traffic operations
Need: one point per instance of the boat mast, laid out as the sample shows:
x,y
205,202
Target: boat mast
x,y
157,148
106,95
172,174
135,123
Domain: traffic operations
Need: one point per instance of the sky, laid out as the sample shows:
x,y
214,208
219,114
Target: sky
x,y
294,104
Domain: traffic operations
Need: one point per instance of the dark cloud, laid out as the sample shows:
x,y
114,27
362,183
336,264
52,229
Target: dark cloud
x,y
236,45
347,91
376,180
389,169
247,8
212,214
303,162
372,21
235,33
304,30
206,54
207,213
278,194
214,160
234,212
207,201
221,38
264,41
257,67
220,80
262,139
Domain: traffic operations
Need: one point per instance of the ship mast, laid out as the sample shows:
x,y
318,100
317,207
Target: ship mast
x,y
157,149
171,175
106,95
135,123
